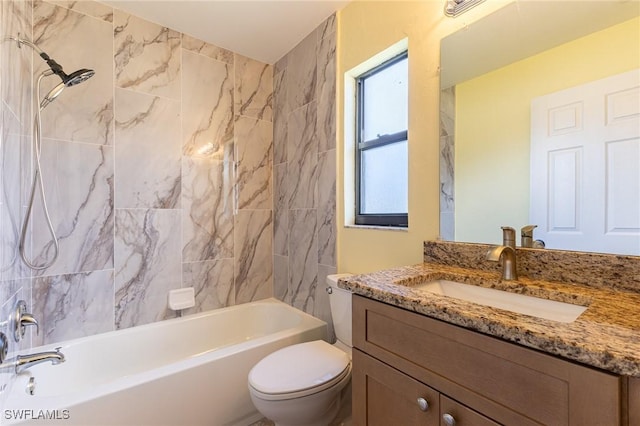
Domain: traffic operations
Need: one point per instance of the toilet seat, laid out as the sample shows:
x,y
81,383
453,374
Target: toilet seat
x,y
299,370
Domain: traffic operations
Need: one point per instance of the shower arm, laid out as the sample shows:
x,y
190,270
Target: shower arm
x,y
56,68
20,41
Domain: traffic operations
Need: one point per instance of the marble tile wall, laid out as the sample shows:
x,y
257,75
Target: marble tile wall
x,y
304,175
447,164
15,113
157,171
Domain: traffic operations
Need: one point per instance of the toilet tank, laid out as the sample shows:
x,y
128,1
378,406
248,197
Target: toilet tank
x,y
340,301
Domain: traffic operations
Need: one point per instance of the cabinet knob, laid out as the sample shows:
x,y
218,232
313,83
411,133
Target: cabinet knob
x,y
423,404
448,419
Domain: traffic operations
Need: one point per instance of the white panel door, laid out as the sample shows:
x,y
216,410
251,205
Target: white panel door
x,y
585,166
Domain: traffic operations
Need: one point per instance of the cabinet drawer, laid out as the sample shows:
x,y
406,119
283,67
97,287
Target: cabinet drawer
x,y
383,396
507,382
461,415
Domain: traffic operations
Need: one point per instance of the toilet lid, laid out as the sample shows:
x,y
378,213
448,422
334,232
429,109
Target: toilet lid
x,y
298,367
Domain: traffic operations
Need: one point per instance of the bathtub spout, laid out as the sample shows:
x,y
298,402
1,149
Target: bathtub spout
x,y
23,362
27,361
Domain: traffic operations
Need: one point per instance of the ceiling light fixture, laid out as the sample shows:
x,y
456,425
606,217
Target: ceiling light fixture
x,y
454,8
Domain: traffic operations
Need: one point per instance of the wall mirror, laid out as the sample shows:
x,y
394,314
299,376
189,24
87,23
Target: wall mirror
x,y
491,71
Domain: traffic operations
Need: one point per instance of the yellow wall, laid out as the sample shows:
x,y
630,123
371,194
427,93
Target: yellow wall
x,y
492,137
366,28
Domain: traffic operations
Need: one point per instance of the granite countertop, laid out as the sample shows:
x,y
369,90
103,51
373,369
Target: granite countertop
x,y
606,335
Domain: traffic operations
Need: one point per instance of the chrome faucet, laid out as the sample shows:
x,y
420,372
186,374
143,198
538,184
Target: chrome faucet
x,y
22,362
506,255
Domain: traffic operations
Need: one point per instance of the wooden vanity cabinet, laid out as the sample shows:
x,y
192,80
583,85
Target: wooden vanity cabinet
x,y
400,356
383,396
391,397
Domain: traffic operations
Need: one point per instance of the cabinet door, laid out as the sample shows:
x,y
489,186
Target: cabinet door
x,y
456,414
509,383
384,396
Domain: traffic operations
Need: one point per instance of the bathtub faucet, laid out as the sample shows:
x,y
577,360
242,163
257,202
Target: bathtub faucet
x,y
22,362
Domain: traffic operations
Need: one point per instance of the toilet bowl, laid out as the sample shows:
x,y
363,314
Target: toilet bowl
x,y
302,384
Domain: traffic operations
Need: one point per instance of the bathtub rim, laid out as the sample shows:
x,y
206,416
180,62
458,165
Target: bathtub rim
x,y
68,400
163,323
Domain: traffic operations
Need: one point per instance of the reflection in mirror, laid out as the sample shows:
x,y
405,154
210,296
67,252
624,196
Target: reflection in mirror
x,y
491,73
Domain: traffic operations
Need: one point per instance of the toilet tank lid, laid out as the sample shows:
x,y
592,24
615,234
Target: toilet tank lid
x,y
332,280
298,367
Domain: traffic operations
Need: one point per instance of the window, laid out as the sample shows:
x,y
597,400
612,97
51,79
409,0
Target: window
x,y
381,144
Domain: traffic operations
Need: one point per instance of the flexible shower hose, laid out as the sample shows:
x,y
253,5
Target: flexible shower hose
x,y
37,182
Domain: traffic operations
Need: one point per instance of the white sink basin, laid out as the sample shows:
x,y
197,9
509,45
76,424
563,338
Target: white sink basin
x,y
519,303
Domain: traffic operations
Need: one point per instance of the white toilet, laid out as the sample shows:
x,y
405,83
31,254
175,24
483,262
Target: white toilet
x,y
301,385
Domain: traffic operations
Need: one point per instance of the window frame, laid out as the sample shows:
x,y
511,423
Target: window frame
x,y
382,219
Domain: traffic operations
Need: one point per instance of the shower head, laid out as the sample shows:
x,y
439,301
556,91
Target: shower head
x,y
77,77
72,79
68,80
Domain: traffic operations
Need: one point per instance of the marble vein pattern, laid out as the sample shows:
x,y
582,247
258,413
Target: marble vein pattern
x,y
327,28
302,152
212,281
207,203
83,113
253,255
254,146
606,335
147,56
72,306
303,258
207,49
148,151
87,7
14,181
12,291
281,64
253,88
78,183
447,111
207,105
15,88
327,208
280,211
301,73
304,172
5,308
147,265
280,117
15,122
447,201
138,209
281,278
326,96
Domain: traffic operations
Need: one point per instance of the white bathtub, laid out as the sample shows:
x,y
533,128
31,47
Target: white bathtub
x,y
187,371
